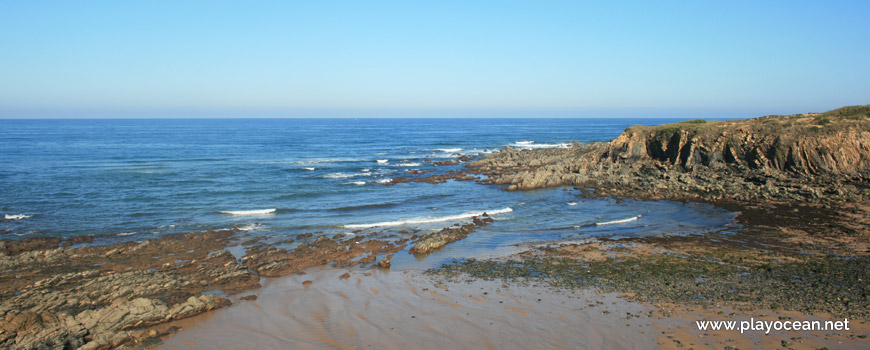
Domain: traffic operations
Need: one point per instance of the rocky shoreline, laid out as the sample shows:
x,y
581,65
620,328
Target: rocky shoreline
x,y
54,296
801,184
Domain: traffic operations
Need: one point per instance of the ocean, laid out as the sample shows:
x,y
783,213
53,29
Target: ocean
x,y
143,178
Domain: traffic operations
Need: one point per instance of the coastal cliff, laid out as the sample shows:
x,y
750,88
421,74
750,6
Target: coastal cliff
x,y
816,157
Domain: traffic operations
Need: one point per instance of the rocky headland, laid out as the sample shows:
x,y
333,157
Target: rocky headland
x,y
817,157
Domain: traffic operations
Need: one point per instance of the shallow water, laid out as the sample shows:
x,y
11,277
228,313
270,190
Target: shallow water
x,y
137,179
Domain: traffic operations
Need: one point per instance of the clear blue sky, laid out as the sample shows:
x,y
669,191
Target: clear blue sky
x,y
435,58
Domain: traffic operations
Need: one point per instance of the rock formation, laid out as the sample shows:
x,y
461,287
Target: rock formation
x,y
806,157
436,240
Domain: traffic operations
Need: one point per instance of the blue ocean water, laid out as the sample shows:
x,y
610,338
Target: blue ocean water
x,y
143,178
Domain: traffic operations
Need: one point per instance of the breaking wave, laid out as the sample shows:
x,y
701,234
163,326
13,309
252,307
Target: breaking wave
x,y
633,218
249,212
533,145
427,220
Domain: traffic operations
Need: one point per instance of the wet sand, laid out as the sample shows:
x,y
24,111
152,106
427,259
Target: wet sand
x,y
327,309
408,310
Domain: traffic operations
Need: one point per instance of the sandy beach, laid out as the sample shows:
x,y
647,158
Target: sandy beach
x,y
326,309
404,309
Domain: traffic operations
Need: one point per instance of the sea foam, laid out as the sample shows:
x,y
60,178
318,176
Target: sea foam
x,y
344,175
313,161
429,219
17,217
633,218
249,212
533,145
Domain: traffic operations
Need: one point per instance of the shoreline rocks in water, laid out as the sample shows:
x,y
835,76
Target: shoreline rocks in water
x,y
434,179
437,240
274,262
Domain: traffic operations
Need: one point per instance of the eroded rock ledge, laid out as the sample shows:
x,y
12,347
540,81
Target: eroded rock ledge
x,y
807,157
437,240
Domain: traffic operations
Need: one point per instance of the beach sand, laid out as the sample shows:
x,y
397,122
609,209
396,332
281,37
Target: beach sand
x,y
384,309
335,308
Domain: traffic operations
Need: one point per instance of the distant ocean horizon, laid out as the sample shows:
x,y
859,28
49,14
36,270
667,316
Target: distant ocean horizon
x,y
143,178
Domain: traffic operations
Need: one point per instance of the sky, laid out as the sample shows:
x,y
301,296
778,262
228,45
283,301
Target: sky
x,y
104,59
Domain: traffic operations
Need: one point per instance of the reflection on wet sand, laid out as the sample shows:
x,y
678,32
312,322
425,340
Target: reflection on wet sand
x,y
383,309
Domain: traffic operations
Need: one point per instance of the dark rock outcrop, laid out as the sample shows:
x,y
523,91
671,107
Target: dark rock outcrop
x,y
274,261
437,240
434,179
98,297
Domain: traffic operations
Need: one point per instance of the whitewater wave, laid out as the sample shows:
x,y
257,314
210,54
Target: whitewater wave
x,y
17,217
309,169
385,181
448,150
429,219
358,183
251,227
314,161
408,164
572,203
382,161
125,234
533,145
249,212
343,175
633,218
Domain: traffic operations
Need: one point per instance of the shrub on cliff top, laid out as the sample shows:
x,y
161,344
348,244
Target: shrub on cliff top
x,y
849,112
694,121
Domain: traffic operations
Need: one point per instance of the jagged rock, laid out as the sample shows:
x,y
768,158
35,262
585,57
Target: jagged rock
x,y
434,179
385,262
436,240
